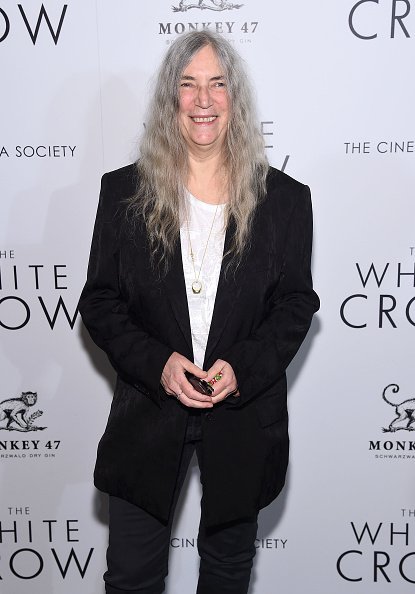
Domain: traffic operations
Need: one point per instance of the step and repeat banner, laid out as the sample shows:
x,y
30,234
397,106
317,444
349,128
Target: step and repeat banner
x,y
335,91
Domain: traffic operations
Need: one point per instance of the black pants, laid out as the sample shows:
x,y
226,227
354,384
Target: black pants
x,y
139,544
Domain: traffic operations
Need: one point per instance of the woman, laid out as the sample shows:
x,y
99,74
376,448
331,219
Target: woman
x,y
200,263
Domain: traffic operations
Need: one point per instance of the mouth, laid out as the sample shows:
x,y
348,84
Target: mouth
x,y
203,120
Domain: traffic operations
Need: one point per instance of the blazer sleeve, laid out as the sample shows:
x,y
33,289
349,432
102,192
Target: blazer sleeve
x,y
263,357
135,355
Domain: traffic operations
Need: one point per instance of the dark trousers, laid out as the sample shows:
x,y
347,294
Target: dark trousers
x,y
139,544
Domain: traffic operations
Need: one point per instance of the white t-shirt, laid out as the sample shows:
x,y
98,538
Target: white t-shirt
x,y
201,216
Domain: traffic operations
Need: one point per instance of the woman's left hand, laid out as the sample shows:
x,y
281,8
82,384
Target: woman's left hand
x,y
224,386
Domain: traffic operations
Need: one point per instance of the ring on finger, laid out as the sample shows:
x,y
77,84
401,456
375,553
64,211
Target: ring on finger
x,y
216,378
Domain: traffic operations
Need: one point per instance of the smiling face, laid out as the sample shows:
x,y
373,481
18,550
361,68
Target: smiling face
x,y
203,102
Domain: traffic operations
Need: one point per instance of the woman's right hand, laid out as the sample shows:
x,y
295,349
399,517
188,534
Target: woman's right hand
x,y
175,382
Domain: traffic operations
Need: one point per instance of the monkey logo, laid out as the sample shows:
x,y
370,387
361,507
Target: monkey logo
x,y
16,413
218,5
405,412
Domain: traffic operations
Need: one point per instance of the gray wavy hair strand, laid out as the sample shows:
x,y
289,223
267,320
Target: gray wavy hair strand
x,y
163,162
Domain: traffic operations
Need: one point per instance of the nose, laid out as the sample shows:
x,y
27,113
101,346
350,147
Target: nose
x,y
203,97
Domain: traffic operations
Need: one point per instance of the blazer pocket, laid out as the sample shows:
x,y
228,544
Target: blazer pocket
x,y
271,409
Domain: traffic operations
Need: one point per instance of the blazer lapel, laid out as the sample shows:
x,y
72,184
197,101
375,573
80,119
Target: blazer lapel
x,y
176,292
228,292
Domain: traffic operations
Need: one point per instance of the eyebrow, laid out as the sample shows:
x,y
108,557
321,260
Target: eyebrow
x,y
187,77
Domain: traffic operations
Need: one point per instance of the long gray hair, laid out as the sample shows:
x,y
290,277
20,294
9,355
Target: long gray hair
x,y
163,161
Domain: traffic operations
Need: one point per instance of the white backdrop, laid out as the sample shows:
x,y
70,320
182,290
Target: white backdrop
x,y
335,92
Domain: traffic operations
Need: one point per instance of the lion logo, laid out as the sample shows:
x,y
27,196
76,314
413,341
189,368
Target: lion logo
x,y
206,5
17,412
405,412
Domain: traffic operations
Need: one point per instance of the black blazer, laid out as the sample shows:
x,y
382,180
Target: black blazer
x,y
262,313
